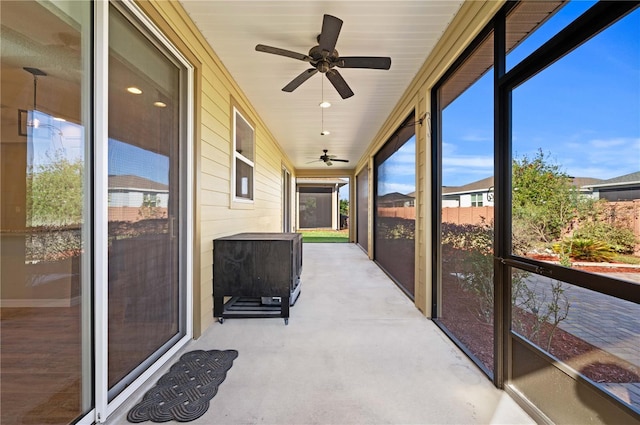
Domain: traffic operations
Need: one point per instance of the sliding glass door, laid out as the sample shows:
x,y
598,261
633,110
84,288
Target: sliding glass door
x,y
61,177
46,363
146,313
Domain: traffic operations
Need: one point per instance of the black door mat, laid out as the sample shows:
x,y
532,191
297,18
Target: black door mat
x,y
183,393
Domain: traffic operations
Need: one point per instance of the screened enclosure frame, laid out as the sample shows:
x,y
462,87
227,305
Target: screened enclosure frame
x,y
595,20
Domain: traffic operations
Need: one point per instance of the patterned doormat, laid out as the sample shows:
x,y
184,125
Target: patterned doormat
x,y
183,393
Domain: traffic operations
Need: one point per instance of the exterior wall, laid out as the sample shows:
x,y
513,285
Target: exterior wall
x,y
215,213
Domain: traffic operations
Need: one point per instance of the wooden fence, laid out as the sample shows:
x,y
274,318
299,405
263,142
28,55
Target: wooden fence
x,y
398,212
625,213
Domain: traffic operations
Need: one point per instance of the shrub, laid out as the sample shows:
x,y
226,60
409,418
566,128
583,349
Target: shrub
x,y
620,239
585,249
466,237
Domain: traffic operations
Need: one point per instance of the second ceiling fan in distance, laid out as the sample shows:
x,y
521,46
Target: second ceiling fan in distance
x,y
329,159
324,58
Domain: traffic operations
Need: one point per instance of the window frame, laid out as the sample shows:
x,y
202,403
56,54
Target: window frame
x,y
239,201
477,200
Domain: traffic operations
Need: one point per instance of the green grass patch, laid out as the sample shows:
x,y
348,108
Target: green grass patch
x,y
325,236
627,259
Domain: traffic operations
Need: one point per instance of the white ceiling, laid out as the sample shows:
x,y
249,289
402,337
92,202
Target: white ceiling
x,y
406,31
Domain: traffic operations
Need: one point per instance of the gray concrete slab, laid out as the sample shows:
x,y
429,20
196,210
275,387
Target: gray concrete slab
x,y
356,351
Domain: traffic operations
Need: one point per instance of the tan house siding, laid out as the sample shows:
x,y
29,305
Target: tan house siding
x,y
215,213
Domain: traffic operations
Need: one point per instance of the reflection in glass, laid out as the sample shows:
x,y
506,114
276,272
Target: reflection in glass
x,y
46,360
595,334
144,233
395,207
244,144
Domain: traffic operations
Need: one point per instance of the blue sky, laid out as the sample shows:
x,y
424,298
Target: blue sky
x,y
53,137
128,159
583,111
397,173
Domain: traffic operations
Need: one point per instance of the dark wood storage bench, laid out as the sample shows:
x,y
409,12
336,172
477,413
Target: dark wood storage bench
x,y
259,271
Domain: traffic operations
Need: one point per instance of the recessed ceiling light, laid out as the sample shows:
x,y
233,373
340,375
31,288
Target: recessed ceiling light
x,y
134,90
324,104
325,133
160,104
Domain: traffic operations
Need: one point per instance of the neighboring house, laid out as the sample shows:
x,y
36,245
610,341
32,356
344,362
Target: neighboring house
x,y
395,199
475,194
622,188
481,192
129,193
318,202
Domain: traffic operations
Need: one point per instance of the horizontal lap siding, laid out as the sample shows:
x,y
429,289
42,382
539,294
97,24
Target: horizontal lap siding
x,y
217,216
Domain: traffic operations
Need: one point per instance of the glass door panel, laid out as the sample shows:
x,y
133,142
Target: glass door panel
x,y
144,208
395,190
46,357
466,287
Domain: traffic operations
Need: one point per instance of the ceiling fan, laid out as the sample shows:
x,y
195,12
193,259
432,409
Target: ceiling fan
x,y
329,159
324,58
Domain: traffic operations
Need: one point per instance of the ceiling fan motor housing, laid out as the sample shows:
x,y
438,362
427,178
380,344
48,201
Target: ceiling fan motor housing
x,y
323,61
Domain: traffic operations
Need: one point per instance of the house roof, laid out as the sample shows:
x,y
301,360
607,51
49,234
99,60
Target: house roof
x,y
393,197
582,182
478,186
131,182
485,184
624,180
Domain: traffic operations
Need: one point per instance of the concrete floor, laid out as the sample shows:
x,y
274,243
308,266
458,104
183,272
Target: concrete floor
x,y
356,351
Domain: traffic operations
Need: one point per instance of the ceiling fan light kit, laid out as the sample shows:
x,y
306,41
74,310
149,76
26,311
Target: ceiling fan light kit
x,y
324,58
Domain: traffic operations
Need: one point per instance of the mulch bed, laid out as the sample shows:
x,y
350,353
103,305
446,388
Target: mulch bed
x,y
459,315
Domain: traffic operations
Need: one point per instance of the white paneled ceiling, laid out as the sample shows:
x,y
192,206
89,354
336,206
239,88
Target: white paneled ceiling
x,y
406,31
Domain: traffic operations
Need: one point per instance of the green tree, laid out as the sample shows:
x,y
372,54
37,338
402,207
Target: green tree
x,y
344,207
54,192
544,200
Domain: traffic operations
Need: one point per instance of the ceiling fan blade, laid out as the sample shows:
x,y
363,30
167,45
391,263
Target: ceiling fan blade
x,y
330,30
283,52
369,62
339,160
339,83
295,83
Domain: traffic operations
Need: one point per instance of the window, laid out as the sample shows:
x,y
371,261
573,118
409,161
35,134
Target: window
x,y
243,157
476,199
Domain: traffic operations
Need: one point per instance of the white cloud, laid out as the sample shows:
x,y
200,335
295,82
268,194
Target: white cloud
x,y
476,138
468,161
613,143
389,187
